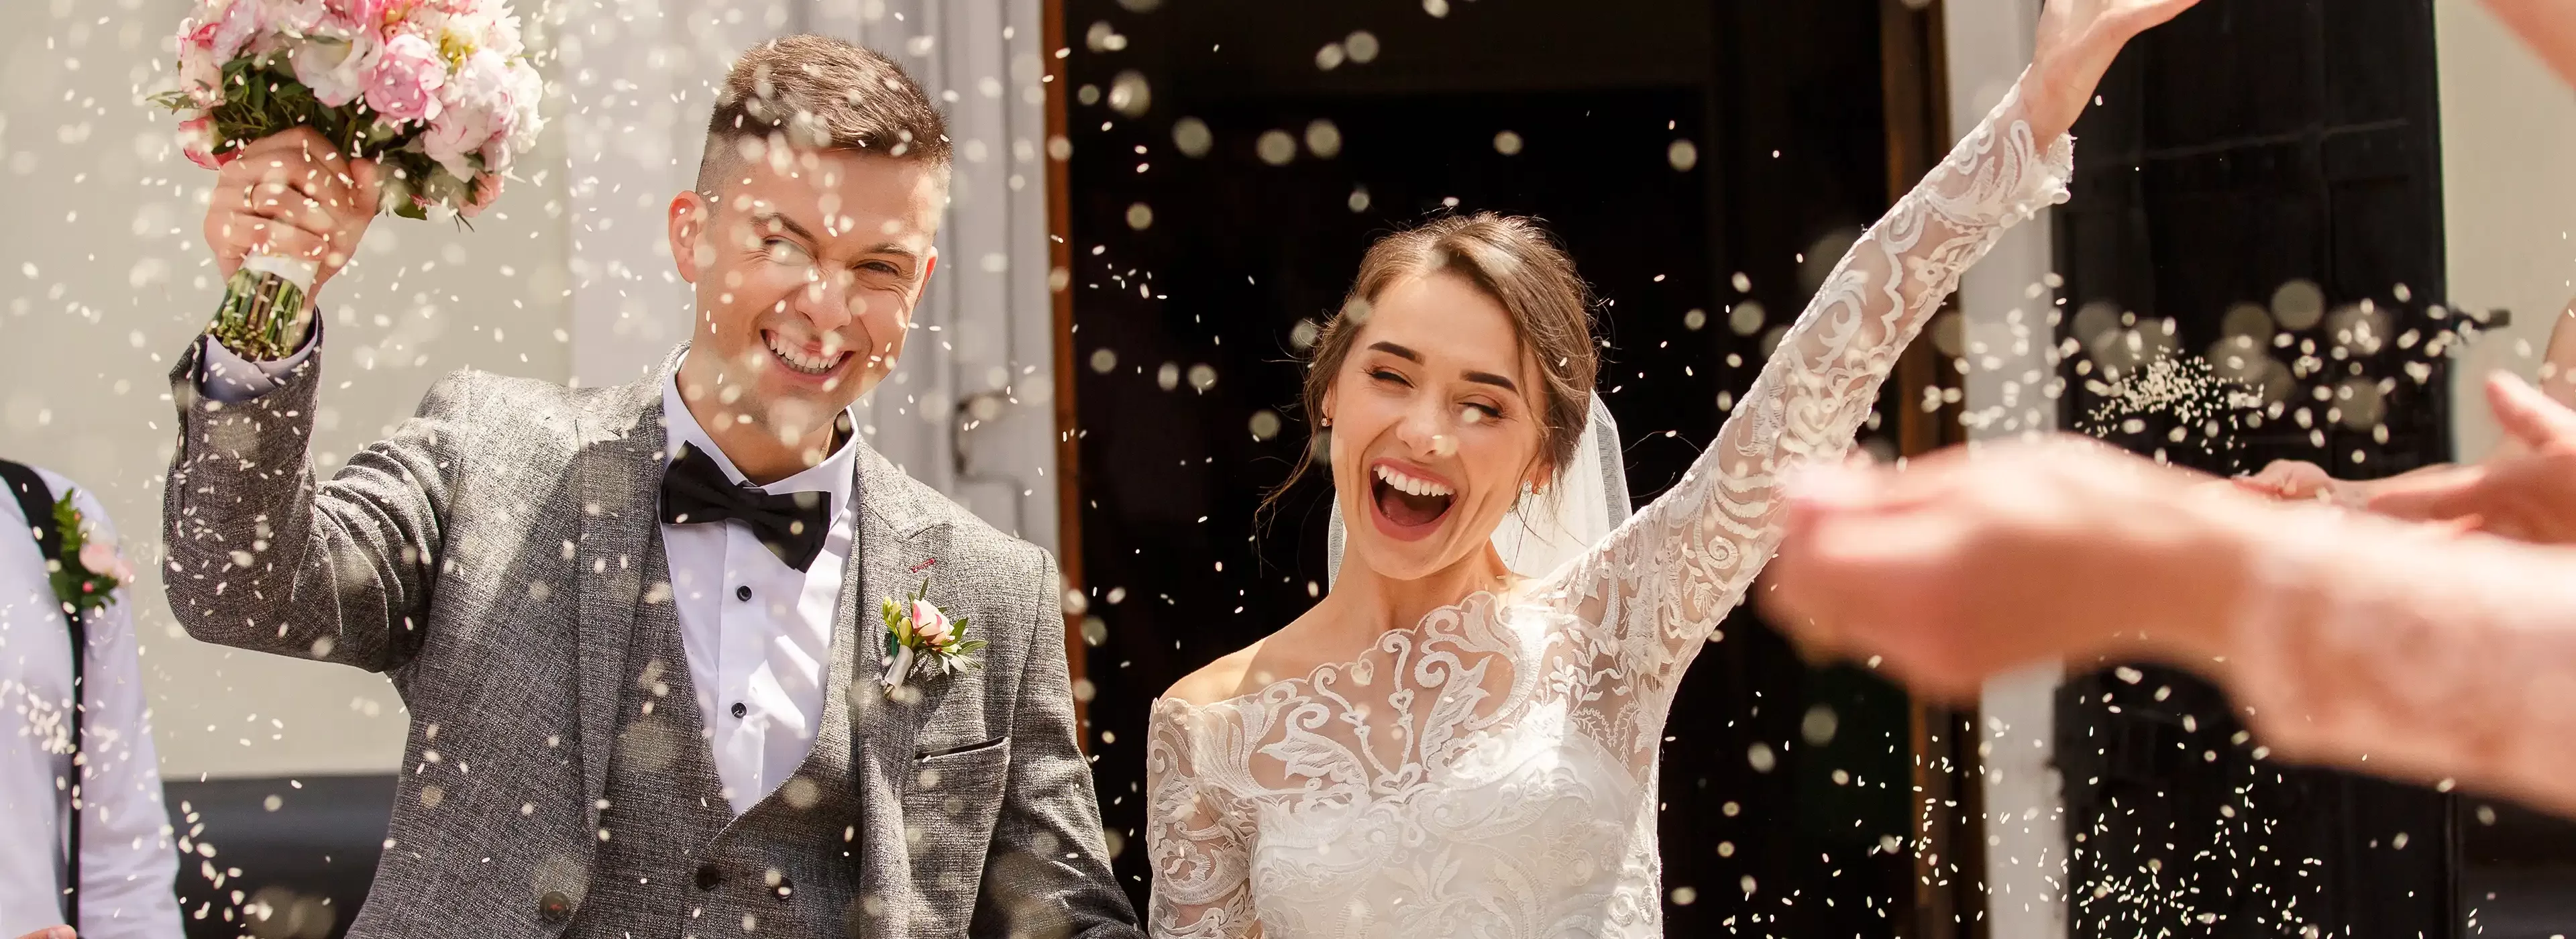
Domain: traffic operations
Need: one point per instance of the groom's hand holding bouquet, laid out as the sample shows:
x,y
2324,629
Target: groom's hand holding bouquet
x,y
291,196
321,113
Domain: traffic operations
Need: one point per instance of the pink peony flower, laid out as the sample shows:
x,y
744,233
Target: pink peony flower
x,y
198,34
932,625
237,24
201,75
474,106
407,77
368,15
197,141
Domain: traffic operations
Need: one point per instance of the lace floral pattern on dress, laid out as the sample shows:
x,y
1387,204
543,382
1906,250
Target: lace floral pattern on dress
x,y
1490,771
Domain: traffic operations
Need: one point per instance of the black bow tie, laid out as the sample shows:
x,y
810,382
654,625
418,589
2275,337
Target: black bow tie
x,y
791,525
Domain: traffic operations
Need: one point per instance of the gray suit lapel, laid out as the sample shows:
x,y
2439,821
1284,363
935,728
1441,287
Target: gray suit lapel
x,y
622,571
890,538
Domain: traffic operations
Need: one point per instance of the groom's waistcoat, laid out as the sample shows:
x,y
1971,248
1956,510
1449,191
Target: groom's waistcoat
x,y
673,859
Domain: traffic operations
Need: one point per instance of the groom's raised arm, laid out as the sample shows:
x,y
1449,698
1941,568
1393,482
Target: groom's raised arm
x,y
264,557
1048,862
260,556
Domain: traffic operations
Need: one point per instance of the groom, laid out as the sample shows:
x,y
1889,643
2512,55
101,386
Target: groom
x,y
638,628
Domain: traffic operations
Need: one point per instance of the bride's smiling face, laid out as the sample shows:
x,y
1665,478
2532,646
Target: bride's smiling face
x,y
1433,428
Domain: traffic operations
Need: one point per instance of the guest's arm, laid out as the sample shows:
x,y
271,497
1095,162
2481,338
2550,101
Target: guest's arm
x,y
127,860
2347,638
2398,650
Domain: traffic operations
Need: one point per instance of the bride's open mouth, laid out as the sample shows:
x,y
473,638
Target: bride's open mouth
x,y
801,362
1410,504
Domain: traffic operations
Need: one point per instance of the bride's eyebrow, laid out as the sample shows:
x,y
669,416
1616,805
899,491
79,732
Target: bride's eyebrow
x,y
1397,351
1481,378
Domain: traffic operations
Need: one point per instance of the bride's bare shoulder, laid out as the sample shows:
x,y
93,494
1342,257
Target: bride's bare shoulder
x,y
1227,677
1286,653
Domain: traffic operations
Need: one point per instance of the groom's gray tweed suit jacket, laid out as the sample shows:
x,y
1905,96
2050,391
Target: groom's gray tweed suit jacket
x,y
500,559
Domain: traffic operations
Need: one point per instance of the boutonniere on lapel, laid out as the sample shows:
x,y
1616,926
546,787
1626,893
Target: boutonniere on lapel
x,y
921,636
88,570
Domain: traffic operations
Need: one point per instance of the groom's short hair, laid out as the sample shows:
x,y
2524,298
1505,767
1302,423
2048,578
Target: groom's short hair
x,y
819,93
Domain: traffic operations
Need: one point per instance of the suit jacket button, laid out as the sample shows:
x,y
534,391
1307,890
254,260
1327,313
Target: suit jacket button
x,y
709,877
554,906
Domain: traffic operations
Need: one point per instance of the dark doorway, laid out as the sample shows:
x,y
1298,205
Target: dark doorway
x,y
2259,190
1191,275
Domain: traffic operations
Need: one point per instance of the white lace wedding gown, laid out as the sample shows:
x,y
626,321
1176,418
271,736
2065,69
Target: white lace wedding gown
x,y
1491,771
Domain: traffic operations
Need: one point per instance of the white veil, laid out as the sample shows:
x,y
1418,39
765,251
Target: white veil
x,y
1543,532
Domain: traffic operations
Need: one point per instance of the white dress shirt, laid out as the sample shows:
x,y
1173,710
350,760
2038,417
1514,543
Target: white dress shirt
x,y
127,862
758,633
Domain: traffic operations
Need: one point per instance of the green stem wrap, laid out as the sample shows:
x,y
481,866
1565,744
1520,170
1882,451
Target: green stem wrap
x,y
263,306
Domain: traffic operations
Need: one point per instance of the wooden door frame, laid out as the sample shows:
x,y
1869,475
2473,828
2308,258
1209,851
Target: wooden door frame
x,y
1947,813
1068,449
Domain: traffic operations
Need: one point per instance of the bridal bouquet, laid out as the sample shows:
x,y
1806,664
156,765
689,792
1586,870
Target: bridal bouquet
x,y
439,92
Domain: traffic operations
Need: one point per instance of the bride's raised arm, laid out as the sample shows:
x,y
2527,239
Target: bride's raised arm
x,y
1664,579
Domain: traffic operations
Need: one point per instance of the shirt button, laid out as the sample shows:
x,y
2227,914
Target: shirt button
x,y
739,710
742,593
709,877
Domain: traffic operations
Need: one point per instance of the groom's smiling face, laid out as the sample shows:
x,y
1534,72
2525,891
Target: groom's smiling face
x,y
807,268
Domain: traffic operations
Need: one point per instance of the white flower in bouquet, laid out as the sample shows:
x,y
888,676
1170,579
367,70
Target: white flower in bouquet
x,y
335,61
288,20
521,122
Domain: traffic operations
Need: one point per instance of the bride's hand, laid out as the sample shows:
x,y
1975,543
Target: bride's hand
x,y
2289,479
2076,43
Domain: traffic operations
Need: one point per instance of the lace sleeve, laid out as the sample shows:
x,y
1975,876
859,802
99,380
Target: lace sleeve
x,y
2421,654
1662,581
1202,861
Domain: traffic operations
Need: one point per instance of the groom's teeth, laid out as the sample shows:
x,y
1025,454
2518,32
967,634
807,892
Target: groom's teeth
x,y
801,361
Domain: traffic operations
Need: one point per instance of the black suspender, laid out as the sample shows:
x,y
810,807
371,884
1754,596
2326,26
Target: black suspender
x,y
37,500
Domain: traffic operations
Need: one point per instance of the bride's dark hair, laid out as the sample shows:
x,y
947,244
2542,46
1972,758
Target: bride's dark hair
x,y
1509,258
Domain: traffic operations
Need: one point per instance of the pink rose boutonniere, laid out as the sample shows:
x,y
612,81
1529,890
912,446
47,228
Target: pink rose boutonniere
x,y
920,635
88,572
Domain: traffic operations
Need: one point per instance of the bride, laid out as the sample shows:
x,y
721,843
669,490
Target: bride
x,y
1459,741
